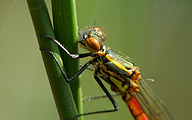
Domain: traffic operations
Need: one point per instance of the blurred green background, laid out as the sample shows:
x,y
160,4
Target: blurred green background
x,y
157,35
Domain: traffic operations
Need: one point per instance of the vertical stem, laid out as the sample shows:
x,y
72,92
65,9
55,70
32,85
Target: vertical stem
x,y
65,28
61,90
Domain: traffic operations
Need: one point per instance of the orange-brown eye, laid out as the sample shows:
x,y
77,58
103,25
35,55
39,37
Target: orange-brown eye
x,y
93,44
99,33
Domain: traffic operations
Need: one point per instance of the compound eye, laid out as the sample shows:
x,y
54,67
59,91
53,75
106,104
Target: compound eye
x,y
93,44
99,33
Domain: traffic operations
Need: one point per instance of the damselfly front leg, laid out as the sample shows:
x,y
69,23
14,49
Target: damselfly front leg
x,y
74,56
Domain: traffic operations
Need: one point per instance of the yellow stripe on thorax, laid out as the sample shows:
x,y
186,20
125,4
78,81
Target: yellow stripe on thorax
x,y
116,63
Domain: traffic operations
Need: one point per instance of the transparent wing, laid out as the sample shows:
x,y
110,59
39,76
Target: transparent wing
x,y
150,103
119,54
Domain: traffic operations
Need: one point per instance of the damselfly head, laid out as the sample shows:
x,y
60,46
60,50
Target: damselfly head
x,y
92,39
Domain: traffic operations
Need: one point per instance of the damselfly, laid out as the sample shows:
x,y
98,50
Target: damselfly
x,y
119,72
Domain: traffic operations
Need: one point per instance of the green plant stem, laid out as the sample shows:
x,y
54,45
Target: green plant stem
x,y
61,90
65,28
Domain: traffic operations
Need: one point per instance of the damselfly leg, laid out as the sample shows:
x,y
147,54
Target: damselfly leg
x,y
84,67
89,68
91,98
74,56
